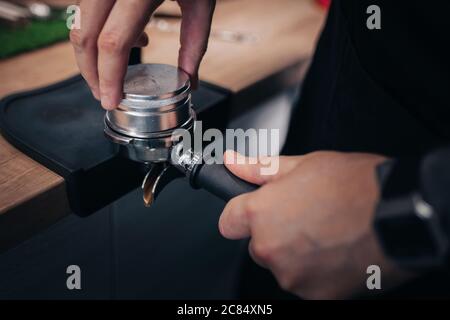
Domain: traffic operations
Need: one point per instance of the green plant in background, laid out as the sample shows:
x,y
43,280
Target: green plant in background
x,y
34,34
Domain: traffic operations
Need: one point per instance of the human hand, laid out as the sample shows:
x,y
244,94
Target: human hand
x,y
110,28
311,222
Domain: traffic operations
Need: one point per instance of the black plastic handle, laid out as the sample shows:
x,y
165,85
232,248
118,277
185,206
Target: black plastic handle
x,y
218,180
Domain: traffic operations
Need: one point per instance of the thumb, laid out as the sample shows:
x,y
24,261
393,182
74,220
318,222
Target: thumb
x,y
258,170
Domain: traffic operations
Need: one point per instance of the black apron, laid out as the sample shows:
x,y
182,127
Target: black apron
x,y
380,91
367,90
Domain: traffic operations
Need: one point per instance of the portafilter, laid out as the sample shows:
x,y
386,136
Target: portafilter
x,y
156,103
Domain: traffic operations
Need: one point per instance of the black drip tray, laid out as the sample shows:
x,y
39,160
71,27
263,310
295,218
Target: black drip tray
x,y
61,127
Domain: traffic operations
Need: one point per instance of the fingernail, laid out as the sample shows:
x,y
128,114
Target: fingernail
x,y
230,157
240,159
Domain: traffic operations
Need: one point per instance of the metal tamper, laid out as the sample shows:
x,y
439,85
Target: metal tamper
x,y
156,103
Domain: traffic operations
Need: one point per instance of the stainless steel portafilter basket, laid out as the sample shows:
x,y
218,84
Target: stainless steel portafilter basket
x,y
156,102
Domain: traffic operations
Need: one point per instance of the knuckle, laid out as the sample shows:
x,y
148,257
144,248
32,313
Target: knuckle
x,y
317,154
75,37
80,40
286,282
263,252
111,42
323,154
290,277
106,83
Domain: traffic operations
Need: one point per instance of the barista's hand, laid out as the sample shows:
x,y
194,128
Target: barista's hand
x,y
311,223
110,28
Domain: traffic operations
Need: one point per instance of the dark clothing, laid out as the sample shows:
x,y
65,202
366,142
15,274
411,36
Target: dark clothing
x,y
383,91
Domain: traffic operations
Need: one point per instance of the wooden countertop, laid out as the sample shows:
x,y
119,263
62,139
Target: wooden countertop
x,y
250,42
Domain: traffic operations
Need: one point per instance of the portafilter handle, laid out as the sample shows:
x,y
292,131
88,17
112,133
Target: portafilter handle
x,y
212,177
219,181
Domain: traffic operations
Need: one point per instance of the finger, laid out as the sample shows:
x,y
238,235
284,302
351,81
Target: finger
x,y
124,25
234,221
253,170
84,40
254,256
195,29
